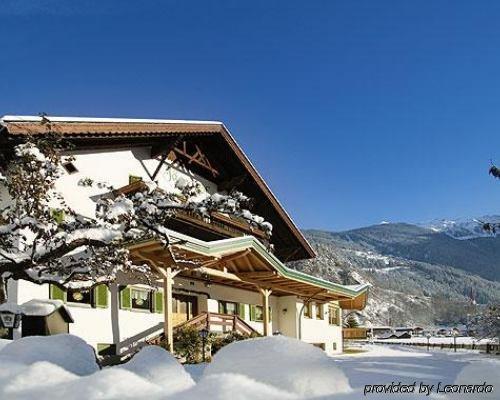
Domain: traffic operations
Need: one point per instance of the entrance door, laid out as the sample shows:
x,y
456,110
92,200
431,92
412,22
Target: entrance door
x,y
183,308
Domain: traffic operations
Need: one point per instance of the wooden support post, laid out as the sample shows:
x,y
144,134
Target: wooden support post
x,y
265,310
167,307
168,282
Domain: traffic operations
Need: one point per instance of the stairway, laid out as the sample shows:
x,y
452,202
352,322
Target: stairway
x,y
212,322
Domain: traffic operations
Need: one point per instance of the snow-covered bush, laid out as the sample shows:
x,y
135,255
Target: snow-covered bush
x,y
67,351
229,386
287,364
159,367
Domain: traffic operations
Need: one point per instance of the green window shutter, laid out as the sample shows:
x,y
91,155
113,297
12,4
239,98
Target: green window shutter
x,y
125,298
58,215
158,305
134,178
101,296
252,312
241,311
270,313
56,293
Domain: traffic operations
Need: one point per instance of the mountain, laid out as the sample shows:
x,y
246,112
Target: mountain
x,y
462,229
422,274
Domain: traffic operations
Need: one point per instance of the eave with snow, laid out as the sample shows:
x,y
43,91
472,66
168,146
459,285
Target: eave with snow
x,y
242,255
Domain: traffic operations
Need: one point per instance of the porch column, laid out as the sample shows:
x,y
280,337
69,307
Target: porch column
x,y
265,310
168,279
115,322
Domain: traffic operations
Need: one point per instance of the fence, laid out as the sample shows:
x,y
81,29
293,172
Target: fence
x,y
354,333
488,348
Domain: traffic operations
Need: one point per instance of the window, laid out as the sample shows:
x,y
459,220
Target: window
x,y
257,313
319,311
308,310
134,179
70,168
79,296
333,315
95,297
229,308
141,299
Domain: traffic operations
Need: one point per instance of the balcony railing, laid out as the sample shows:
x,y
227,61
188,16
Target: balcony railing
x,y
221,224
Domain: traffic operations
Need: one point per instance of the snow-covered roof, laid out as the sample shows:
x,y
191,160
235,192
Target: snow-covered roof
x,y
43,308
35,118
294,245
10,307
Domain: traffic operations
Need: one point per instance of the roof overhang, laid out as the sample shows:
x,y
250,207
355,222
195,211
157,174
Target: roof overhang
x,y
244,263
84,129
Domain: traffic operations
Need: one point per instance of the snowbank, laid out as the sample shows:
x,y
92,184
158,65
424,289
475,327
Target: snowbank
x,y
4,342
158,366
233,387
67,351
476,373
287,364
19,381
111,383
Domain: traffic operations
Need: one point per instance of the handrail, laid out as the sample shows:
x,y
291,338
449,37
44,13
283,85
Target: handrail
x,y
135,340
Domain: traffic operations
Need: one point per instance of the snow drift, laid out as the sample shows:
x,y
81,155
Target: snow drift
x,y
66,351
158,366
287,364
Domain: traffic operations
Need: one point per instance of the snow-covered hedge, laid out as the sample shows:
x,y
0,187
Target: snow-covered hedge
x,y
284,363
63,367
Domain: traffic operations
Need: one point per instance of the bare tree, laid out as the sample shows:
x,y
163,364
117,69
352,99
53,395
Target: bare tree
x,y
486,324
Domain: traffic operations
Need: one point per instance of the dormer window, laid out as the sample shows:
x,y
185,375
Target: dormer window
x,y
70,168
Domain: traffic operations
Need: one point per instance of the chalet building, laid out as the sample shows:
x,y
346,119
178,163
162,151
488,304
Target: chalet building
x,y
244,283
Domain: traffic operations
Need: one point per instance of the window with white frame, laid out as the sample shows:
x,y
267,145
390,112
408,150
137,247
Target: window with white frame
x,y
333,315
141,299
319,311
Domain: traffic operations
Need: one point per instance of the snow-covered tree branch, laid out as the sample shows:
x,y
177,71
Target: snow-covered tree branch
x,y
43,240
486,324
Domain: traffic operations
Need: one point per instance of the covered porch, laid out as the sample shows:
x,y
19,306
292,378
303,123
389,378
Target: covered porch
x,y
241,262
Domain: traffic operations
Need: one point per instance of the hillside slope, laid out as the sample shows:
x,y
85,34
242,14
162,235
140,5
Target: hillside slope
x,y
419,275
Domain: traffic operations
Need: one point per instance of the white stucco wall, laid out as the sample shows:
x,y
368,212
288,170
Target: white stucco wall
x,y
95,324
113,167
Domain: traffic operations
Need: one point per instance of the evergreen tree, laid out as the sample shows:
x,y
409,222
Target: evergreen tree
x,y
351,321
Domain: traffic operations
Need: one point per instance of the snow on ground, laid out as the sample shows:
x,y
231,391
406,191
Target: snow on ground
x,y
383,364
67,351
275,368
4,342
158,366
281,362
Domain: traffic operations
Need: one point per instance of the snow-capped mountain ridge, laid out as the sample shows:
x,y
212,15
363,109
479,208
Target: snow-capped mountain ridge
x,y
418,274
462,228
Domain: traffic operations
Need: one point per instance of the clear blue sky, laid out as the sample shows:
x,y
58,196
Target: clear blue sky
x,y
355,111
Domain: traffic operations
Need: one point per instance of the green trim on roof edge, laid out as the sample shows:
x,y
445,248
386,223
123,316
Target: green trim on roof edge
x,y
244,242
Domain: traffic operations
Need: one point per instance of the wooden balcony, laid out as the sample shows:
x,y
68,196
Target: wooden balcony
x,y
218,226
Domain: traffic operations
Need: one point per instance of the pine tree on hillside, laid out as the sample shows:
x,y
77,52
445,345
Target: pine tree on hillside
x,y
351,321
486,324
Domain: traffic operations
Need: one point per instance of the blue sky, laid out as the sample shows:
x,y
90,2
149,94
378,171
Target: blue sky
x,y
355,111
